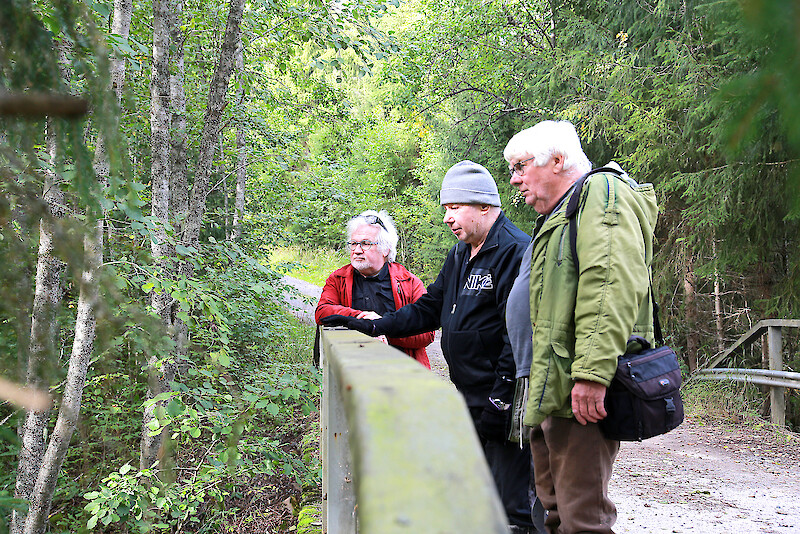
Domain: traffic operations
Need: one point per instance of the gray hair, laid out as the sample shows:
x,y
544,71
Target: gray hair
x,y
546,139
387,237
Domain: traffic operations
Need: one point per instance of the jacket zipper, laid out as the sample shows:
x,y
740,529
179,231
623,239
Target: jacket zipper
x,y
560,257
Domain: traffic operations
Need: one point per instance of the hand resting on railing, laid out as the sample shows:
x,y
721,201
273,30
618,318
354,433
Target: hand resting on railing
x,y
365,326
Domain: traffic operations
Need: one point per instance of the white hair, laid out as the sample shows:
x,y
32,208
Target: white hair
x,y
387,237
546,139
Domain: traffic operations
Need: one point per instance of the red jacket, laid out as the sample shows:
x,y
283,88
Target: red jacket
x,y
337,299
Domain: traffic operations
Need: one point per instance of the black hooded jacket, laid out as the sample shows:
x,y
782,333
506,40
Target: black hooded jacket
x,y
470,307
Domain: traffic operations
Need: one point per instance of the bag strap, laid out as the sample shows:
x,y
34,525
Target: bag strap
x,y
571,213
656,321
572,209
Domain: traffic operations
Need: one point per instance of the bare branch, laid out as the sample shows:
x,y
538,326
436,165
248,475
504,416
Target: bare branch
x,y
42,104
28,398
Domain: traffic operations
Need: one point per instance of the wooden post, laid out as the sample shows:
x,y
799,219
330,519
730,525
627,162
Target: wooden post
x,y
776,393
338,490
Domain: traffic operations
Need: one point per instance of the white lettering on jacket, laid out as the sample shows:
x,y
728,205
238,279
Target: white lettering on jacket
x,y
477,282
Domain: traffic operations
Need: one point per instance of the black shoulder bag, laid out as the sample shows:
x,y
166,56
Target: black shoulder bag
x,y
644,398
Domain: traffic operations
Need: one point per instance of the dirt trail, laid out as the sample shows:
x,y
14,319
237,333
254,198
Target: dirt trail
x,y
302,300
702,478
709,478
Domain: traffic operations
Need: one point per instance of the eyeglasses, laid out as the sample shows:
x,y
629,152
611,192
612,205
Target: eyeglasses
x,y
365,245
374,219
518,167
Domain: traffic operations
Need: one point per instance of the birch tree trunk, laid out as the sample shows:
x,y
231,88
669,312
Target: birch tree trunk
x,y
48,464
162,370
241,150
178,187
120,25
42,495
212,123
43,334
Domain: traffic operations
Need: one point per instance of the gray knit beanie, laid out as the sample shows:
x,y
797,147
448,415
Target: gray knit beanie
x,y
469,183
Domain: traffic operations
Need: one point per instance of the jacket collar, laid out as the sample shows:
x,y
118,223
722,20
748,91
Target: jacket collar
x,y
557,212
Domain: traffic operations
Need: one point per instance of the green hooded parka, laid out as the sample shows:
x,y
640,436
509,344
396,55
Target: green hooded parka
x,y
581,322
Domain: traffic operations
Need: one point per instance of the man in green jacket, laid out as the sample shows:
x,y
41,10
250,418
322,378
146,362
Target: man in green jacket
x,y
581,319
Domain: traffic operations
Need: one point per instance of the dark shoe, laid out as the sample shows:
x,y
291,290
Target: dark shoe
x,y
516,529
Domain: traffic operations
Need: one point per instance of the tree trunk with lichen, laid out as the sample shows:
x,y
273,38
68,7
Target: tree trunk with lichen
x,y
42,495
40,477
43,336
178,187
241,150
213,122
161,369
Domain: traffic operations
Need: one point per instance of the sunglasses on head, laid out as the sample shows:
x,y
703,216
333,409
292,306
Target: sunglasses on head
x,y
374,219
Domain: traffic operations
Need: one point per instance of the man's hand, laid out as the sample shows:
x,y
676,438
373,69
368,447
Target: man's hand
x,y
371,315
493,424
361,325
588,401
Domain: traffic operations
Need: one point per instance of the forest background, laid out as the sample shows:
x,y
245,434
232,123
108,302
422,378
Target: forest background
x,y
223,144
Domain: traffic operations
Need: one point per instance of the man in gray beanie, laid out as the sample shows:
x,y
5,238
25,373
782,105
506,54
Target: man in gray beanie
x,y
468,302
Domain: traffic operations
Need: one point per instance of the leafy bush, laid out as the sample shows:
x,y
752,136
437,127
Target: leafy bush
x,y
220,429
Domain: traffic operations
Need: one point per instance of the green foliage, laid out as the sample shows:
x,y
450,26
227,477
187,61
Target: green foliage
x,y
319,217
143,503
222,428
775,83
223,415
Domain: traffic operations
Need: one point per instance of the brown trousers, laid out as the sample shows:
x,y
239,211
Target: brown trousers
x,y
572,465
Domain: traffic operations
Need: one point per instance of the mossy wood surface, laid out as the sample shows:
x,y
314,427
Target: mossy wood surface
x,y
417,462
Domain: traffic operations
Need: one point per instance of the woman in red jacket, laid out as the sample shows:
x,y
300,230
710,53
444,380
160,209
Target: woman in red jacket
x,y
373,284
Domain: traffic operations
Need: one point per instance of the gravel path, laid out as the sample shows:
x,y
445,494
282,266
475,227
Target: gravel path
x,y
709,478
701,478
302,297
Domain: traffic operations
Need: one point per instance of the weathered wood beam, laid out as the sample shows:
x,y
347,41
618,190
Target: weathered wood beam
x,y
400,452
754,333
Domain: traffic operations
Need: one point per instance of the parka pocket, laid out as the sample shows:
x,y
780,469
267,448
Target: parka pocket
x,y
558,384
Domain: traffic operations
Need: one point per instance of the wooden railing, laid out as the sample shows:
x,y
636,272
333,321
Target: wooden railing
x,y
775,377
399,450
